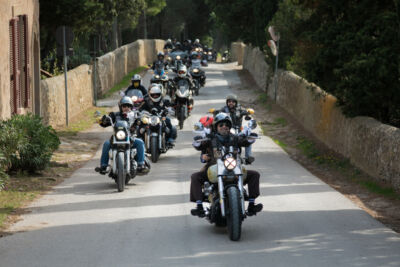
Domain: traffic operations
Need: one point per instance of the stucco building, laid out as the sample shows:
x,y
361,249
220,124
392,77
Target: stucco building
x,y
19,57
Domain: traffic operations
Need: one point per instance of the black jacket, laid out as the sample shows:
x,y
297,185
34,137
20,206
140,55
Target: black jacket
x,y
212,145
149,105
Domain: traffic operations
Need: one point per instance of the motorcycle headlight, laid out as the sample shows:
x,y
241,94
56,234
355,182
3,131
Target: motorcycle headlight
x,y
157,77
195,70
210,53
230,163
223,58
134,98
121,135
154,120
178,57
145,120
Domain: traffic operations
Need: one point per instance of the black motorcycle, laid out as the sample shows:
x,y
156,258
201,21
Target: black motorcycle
x,y
154,131
124,165
225,191
183,100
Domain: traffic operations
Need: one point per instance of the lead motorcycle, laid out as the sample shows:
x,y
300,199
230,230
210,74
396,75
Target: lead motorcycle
x,y
225,191
123,163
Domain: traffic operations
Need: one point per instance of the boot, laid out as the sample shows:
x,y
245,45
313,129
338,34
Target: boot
x,y
253,209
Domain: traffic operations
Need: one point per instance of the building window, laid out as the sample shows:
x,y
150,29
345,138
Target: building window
x,y
19,64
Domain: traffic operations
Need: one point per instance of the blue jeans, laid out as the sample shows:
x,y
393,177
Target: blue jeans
x,y
247,151
138,144
173,133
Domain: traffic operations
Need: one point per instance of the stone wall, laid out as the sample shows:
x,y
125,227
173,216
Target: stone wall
x,y
80,95
370,145
110,70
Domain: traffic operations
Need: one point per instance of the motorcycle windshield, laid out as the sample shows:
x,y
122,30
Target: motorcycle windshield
x,y
183,88
121,124
135,92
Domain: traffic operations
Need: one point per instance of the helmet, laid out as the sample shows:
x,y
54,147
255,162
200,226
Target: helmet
x,y
126,100
182,71
196,41
178,45
136,80
160,54
194,55
206,121
168,40
231,97
155,92
189,41
222,117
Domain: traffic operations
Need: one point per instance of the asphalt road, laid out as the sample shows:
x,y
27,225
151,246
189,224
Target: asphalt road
x,y
86,222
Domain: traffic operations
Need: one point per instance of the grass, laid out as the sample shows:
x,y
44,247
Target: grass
x,y
86,120
280,143
19,190
280,122
263,99
124,83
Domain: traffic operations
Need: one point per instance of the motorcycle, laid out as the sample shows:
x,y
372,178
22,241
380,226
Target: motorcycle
x,y
183,101
225,192
225,57
124,165
154,131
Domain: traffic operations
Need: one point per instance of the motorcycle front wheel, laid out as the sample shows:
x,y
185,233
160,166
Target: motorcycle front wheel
x,y
155,152
181,117
234,214
121,171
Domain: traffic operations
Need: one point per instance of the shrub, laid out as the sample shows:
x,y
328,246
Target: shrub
x,y
3,175
26,143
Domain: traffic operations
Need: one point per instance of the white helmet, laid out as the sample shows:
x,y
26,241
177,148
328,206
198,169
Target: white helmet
x,y
155,92
182,71
196,41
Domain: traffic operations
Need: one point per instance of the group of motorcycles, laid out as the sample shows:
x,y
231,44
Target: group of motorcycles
x,y
181,78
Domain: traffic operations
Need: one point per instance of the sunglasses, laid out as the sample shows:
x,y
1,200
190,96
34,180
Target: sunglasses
x,y
231,101
155,95
222,124
126,106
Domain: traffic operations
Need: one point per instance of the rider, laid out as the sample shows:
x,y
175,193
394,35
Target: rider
x,y
136,83
168,45
221,136
195,62
186,46
196,43
125,106
159,63
231,109
155,100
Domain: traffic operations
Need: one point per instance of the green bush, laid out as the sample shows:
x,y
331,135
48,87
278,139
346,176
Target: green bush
x,y
26,143
3,175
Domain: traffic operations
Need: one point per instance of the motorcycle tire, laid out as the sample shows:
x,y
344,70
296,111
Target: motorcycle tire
x,y
155,152
197,88
181,117
234,214
121,171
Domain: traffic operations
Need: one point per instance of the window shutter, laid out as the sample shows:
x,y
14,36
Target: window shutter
x,y
14,67
26,70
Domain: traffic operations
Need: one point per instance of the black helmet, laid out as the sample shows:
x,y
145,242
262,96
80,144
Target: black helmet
x,y
126,100
221,117
160,54
231,97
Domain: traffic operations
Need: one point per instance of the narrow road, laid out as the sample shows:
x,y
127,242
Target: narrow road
x,y
86,222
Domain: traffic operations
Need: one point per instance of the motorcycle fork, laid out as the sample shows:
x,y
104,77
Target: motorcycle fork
x,y
114,167
240,184
160,137
128,161
221,196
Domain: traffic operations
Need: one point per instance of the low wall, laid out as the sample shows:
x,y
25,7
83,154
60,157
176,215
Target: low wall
x,y
110,69
372,146
80,95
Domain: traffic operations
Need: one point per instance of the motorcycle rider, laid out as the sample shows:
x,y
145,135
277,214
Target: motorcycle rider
x,y
186,46
168,45
155,100
196,43
221,136
125,106
159,63
195,61
231,109
177,47
136,83
183,74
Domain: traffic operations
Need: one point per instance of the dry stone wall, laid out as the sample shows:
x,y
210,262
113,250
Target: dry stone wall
x,y
370,145
110,69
